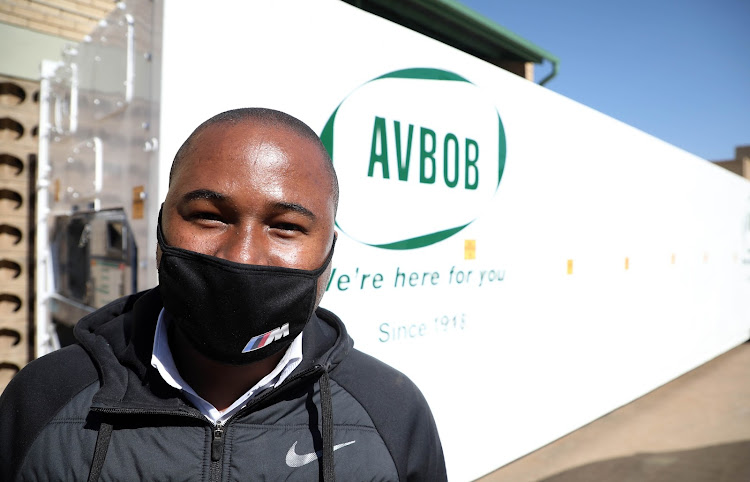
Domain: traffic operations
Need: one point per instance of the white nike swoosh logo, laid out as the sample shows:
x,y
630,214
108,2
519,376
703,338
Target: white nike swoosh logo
x,y
293,459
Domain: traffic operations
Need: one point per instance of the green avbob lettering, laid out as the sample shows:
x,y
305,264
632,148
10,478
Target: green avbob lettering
x,y
434,155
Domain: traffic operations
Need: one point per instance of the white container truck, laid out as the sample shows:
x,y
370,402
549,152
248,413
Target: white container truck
x,y
530,263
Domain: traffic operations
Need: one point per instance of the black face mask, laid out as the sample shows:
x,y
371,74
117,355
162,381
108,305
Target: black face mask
x,y
231,312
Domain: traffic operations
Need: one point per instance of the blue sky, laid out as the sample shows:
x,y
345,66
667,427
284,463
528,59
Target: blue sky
x,y
679,70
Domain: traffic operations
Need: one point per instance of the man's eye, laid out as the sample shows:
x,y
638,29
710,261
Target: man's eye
x,y
205,216
288,227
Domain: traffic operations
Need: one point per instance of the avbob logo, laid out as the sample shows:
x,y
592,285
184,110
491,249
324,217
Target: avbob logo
x,y
418,152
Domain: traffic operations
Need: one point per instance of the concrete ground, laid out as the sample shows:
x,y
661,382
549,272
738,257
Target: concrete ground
x,y
693,429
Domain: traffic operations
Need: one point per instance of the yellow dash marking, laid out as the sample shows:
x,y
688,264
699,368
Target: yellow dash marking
x,y
570,266
470,249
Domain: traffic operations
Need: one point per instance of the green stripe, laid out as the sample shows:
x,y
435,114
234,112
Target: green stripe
x,y
422,73
421,241
326,137
502,149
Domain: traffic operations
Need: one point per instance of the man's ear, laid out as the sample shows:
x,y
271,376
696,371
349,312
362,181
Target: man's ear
x,y
158,256
326,275
158,248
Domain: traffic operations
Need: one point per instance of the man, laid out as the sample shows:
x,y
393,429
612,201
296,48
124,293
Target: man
x,y
228,370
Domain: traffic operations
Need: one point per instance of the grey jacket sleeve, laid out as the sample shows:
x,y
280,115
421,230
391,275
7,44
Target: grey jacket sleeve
x,y
33,398
400,413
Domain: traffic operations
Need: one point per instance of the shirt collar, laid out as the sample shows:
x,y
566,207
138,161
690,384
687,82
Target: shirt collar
x,y
163,361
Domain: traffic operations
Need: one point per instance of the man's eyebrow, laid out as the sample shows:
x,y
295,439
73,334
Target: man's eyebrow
x,y
206,194
297,208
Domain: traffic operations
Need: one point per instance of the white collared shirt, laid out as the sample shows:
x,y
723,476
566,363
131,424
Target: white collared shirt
x,y
162,360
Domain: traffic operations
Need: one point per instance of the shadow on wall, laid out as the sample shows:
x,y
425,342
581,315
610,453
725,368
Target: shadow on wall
x,y
717,463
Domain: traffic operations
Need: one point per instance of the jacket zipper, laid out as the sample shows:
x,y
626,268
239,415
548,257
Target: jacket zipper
x,y
217,437
217,451
217,443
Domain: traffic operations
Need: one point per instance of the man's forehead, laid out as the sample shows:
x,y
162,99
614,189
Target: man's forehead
x,y
260,140
253,147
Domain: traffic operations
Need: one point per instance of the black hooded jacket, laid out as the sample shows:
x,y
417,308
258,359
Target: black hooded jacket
x,y
98,410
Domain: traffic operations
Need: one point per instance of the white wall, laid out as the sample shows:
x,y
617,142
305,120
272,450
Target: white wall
x,y
512,364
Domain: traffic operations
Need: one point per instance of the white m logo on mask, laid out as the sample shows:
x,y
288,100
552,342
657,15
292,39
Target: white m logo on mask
x,y
266,338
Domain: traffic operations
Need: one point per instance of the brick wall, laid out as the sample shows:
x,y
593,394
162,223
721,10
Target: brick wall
x,y
19,121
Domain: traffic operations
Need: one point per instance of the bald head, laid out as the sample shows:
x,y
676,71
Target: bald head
x,y
268,118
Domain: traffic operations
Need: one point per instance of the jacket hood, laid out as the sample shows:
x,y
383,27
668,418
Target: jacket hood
x,y
120,336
